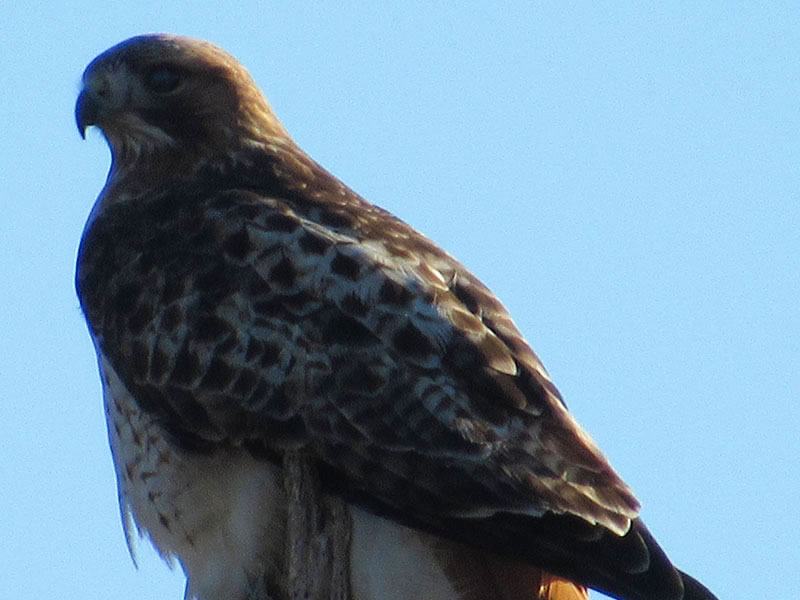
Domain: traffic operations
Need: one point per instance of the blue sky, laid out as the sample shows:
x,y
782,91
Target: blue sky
x,y
625,178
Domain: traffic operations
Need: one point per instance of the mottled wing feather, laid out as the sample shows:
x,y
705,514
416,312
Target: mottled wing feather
x,y
271,321
242,319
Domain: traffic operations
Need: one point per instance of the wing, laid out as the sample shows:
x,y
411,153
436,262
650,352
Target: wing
x,y
262,317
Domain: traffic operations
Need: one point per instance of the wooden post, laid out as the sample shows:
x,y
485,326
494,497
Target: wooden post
x,y
317,540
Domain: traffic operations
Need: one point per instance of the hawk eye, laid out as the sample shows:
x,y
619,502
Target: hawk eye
x,y
162,79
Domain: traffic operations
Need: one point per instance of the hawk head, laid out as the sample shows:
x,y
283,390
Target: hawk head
x,y
158,97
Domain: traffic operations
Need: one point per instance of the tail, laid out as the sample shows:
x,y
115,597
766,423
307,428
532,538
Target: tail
x,y
478,575
555,588
630,567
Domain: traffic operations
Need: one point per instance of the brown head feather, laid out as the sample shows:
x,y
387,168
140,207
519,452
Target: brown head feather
x,y
170,105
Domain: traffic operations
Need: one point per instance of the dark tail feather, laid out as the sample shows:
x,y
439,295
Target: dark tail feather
x,y
630,567
694,590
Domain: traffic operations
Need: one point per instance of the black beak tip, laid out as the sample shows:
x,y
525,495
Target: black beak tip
x,y
85,112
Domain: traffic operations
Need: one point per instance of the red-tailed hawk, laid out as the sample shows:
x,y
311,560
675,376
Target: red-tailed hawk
x,y
244,304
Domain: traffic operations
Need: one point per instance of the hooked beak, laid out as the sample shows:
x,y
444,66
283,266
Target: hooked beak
x,y
87,109
94,101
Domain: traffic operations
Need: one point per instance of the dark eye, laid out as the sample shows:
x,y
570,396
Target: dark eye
x,y
162,79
